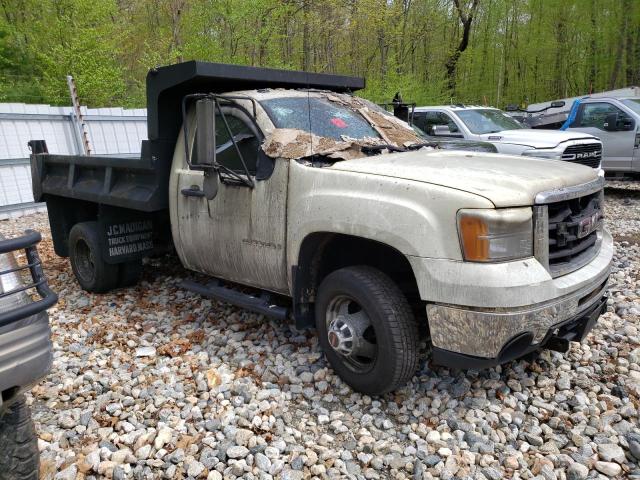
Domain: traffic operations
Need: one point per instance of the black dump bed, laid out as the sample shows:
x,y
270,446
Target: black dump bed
x,y
142,183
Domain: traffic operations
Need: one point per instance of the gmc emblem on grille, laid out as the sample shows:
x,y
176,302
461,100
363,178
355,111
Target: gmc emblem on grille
x,y
588,225
584,155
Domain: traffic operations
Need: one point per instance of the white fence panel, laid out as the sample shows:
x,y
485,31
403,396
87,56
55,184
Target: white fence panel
x,y
111,131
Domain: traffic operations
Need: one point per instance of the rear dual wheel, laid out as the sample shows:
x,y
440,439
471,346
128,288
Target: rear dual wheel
x,y
367,329
92,272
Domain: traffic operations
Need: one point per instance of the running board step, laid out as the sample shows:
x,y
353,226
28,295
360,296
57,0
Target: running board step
x,y
217,291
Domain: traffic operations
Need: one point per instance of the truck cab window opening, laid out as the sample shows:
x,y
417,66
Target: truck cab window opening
x,y
229,175
248,180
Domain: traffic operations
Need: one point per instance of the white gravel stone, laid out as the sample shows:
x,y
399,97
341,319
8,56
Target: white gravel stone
x,y
69,473
608,468
143,452
433,436
577,471
262,462
146,352
195,469
237,451
221,387
610,452
163,437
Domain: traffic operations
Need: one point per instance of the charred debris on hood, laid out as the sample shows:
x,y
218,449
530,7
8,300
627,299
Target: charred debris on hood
x,y
306,147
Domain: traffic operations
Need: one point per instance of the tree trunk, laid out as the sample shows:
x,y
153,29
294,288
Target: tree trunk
x,y
466,18
175,9
306,46
617,65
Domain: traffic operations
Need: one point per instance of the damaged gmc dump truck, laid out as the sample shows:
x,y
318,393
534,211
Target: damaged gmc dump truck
x,y
285,182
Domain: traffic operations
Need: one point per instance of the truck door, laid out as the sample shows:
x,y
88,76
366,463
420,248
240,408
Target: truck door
x,y
617,140
240,234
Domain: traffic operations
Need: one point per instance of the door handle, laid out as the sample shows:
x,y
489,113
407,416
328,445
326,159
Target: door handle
x,y
192,192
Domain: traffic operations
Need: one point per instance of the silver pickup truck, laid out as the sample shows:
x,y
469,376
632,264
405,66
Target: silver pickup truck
x,y
25,351
287,183
509,136
615,120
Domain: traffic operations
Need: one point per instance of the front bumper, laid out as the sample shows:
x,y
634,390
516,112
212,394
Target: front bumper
x,y
25,354
556,338
479,310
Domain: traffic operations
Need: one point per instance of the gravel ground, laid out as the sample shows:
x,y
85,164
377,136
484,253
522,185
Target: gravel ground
x,y
154,382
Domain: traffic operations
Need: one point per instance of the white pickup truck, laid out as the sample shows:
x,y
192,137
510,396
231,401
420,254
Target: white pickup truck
x,y
286,183
508,135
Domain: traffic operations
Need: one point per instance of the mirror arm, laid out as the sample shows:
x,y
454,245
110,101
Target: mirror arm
x,y
234,98
249,180
185,129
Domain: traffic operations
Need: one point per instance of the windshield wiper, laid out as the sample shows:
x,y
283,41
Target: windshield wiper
x,y
416,146
377,148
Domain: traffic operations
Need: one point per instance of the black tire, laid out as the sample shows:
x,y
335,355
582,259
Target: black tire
x,y
91,271
389,315
19,456
129,273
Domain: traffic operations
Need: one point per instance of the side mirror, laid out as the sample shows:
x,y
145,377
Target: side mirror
x,y
206,132
444,131
512,107
206,145
441,130
557,104
627,123
610,122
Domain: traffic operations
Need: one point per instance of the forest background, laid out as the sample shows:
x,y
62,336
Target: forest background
x,y
432,51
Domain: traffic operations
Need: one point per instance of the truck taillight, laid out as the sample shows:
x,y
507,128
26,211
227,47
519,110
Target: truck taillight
x,y
637,142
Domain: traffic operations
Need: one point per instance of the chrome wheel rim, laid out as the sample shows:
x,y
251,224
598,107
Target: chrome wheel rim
x,y
350,334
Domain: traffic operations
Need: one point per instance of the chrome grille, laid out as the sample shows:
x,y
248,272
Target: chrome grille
x,y
589,154
574,228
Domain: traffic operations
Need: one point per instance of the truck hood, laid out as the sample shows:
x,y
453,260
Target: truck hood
x,y
505,180
536,138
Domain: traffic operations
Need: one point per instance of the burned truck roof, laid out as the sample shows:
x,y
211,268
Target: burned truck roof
x,y
166,87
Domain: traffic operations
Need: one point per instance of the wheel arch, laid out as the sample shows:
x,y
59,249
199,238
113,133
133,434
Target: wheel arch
x,y
63,214
321,253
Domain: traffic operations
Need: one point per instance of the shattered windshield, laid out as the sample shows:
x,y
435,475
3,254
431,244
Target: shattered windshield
x,y
481,121
318,116
334,126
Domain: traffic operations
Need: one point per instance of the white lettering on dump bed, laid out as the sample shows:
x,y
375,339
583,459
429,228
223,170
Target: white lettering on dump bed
x,y
129,238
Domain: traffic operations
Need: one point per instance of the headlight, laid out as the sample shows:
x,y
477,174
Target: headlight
x,y
495,235
542,154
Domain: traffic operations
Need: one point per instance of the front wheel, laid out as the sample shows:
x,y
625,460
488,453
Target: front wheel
x,y
19,456
367,329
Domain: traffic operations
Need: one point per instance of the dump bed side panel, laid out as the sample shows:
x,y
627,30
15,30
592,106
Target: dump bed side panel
x,y
134,183
128,197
